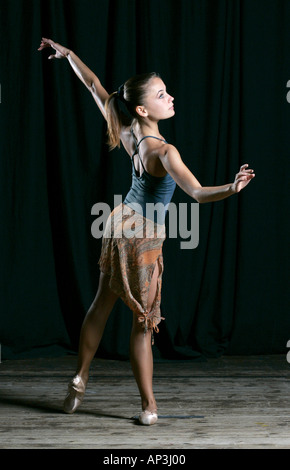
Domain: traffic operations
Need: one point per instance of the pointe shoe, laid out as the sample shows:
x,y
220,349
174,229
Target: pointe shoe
x,y
148,417
74,398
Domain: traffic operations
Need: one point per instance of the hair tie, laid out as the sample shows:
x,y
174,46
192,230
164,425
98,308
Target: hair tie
x,y
122,103
120,93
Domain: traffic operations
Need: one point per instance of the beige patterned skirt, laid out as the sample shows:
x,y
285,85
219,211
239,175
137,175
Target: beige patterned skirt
x,y
131,247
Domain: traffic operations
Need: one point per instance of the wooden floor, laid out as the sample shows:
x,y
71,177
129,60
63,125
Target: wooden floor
x,y
227,403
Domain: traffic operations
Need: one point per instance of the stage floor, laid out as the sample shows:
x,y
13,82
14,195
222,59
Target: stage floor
x,y
226,403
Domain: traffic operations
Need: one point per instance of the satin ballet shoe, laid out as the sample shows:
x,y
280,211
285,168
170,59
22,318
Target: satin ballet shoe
x,y
148,418
75,395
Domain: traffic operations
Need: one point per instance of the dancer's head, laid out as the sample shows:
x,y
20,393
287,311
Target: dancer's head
x,y
141,98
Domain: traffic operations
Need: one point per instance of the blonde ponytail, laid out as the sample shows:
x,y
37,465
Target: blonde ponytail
x,y
114,121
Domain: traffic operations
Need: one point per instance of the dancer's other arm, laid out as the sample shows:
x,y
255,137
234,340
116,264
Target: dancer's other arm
x,y
174,165
89,79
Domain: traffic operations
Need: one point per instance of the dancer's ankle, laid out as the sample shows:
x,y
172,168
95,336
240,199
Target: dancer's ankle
x,y
149,405
84,375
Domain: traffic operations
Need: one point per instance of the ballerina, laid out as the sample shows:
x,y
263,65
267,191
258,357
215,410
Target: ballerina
x,y
131,268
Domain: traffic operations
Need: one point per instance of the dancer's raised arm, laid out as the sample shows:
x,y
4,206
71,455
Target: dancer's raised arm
x,y
89,79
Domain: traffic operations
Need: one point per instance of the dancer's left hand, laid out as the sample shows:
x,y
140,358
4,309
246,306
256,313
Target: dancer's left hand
x,y
61,51
242,179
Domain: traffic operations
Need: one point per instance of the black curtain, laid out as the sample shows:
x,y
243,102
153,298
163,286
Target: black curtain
x,y
227,64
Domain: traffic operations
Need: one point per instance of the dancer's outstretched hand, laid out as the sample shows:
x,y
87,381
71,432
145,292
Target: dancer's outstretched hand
x,y
61,52
242,179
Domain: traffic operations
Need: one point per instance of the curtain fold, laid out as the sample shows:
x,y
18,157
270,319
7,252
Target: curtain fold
x,y
227,65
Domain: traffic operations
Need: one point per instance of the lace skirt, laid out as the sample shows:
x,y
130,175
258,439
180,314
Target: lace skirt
x,y
131,247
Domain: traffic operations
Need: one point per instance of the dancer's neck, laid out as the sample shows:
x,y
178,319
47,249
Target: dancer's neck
x,y
143,129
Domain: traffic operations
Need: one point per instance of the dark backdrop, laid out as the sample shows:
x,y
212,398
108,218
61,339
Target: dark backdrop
x,y
227,64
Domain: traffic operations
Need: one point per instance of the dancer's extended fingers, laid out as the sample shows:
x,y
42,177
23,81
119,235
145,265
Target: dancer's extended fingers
x,y
45,43
243,167
245,170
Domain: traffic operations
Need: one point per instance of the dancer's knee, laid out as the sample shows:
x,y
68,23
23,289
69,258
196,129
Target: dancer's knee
x,y
138,327
105,297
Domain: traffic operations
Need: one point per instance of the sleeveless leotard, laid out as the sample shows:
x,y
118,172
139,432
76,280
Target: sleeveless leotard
x,y
150,195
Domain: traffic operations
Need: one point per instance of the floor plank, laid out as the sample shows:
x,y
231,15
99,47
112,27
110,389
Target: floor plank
x,y
226,403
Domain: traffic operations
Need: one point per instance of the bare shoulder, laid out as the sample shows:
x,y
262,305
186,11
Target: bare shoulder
x,y
169,156
170,150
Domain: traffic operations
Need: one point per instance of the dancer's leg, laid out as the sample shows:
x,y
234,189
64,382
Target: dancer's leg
x,y
91,334
141,352
94,325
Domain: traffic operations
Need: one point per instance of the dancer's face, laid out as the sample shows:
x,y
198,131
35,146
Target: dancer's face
x,y
158,103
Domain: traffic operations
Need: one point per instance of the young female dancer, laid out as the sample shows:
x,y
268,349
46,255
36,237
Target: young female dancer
x,y
131,267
